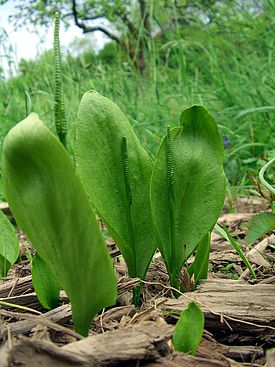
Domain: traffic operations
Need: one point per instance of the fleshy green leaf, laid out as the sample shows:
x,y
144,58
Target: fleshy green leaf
x,y
189,330
201,259
116,170
51,206
45,283
187,187
9,245
259,225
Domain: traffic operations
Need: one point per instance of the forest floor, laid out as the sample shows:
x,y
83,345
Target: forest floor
x,y
239,312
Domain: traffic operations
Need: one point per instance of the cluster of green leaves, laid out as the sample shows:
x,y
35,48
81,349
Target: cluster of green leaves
x,y
172,204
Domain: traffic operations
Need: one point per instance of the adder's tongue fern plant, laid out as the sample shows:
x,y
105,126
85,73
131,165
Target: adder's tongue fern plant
x,y
187,190
172,203
115,170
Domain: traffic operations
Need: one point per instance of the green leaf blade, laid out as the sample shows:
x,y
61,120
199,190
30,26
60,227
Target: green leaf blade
x,y
51,206
101,129
45,283
199,187
9,245
189,329
201,259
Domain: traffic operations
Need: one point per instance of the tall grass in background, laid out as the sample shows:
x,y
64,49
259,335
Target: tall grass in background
x,y
229,70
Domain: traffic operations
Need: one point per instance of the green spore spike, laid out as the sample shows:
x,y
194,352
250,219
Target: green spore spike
x,y
128,191
171,198
170,167
59,106
125,167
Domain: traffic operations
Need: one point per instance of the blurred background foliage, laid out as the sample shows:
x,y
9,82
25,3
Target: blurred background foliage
x,y
162,56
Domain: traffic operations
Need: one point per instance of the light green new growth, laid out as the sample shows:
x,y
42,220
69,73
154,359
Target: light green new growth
x,y
263,180
59,106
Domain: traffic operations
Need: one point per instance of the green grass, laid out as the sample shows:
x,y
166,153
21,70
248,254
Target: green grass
x,y
231,71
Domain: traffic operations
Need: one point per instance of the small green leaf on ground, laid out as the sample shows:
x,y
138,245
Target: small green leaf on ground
x,y
189,330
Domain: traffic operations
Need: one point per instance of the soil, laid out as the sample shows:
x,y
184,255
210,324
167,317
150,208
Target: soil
x,y
239,311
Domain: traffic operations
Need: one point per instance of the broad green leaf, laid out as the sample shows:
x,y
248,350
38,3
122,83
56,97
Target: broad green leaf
x,y
9,245
201,259
51,206
189,330
259,225
45,283
116,170
187,187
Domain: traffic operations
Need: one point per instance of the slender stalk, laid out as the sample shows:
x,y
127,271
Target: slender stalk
x,y
59,106
171,197
128,191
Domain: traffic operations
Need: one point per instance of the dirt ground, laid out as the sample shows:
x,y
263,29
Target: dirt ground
x,y
239,311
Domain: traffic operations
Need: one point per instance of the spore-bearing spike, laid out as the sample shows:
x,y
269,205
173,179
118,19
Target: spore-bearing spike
x,y
59,106
170,167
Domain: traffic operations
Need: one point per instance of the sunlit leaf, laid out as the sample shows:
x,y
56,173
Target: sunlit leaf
x,y
187,187
116,170
51,206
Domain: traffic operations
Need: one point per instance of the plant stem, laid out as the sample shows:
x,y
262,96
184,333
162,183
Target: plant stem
x,y
128,191
171,198
59,106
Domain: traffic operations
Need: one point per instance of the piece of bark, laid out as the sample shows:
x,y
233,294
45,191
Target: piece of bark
x,y
228,219
134,345
270,358
60,315
256,254
233,307
223,257
143,342
244,353
182,359
248,205
16,286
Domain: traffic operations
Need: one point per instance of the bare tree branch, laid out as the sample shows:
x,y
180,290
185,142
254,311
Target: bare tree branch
x,y
86,29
